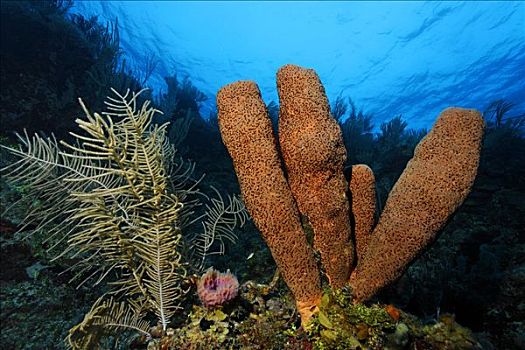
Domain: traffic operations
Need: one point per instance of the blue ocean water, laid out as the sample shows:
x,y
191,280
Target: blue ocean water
x,y
392,58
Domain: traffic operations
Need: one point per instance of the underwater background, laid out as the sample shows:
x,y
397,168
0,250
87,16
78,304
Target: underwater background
x,y
388,69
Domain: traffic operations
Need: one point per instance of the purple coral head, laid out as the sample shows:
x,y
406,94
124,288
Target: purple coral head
x,y
216,288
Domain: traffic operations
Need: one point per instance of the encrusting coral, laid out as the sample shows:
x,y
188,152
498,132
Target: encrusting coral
x,y
314,154
363,192
247,133
434,183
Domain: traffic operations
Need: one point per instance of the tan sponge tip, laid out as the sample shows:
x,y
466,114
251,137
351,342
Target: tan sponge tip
x,y
434,183
248,135
363,203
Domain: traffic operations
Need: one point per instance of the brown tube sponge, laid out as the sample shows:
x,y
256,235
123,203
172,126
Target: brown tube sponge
x,y
434,183
247,133
363,202
314,154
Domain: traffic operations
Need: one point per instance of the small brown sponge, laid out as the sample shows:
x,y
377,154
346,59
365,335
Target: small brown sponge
x,y
247,133
313,151
363,202
434,183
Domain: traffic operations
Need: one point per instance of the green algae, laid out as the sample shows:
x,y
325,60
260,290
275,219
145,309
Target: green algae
x,y
340,324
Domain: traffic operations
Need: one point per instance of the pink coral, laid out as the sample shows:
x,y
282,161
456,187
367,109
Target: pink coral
x,y
216,288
